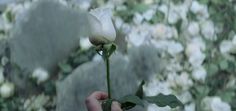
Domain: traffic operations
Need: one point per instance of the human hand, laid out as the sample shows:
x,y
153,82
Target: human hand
x,y
93,102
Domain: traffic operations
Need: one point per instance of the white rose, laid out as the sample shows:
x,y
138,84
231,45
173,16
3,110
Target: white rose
x,y
208,30
1,75
199,74
40,75
85,43
193,28
102,28
7,90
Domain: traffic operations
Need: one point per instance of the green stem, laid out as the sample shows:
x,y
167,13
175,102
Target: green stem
x,y
108,77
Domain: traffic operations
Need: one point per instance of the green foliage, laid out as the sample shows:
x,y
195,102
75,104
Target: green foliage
x,y
164,100
130,101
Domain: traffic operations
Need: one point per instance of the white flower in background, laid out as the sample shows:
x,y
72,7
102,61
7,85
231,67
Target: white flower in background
x,y
1,75
194,54
155,87
200,10
40,75
173,15
154,107
148,14
200,42
193,28
199,74
7,90
190,107
161,31
84,4
181,80
164,9
234,40
138,18
136,38
174,48
85,43
102,28
185,97
118,22
226,46
208,30
148,2
214,104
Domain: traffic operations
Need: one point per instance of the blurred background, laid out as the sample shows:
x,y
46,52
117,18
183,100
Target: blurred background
x,y
181,47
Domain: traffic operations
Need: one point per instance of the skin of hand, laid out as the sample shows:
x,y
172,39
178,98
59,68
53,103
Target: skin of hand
x,y
93,102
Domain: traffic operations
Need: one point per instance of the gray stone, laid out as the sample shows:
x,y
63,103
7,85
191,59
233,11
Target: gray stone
x,y
2,47
91,77
145,61
46,34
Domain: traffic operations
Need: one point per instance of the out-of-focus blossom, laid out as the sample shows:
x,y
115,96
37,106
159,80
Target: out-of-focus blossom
x,y
161,31
173,16
200,10
138,18
155,87
153,107
226,46
118,22
199,74
208,30
194,54
174,48
1,75
102,28
40,75
148,2
148,14
190,107
7,90
215,104
183,80
85,43
193,29
185,97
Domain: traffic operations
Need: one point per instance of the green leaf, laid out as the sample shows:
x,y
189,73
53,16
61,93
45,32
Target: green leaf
x,y
66,68
112,49
106,105
140,8
164,100
139,92
224,64
130,101
212,69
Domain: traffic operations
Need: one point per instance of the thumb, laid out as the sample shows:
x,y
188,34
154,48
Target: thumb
x,y
115,106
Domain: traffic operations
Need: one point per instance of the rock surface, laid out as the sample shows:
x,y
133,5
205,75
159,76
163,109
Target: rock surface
x,y
91,77
126,72
46,34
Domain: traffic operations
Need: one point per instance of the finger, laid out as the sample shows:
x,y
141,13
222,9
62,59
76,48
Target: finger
x,y
115,106
99,95
93,104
